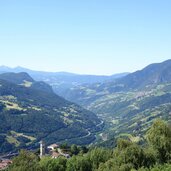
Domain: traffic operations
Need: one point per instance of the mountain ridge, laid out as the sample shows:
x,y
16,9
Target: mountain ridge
x,y
62,81
4,68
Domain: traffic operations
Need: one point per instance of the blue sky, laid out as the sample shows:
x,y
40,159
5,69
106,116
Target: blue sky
x,y
84,36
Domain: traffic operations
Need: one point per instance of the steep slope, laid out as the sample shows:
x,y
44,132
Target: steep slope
x,y
28,114
151,75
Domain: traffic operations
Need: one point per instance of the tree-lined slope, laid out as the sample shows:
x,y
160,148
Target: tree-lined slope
x,y
131,103
30,111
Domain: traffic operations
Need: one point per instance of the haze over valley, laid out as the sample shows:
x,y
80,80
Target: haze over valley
x,y
85,85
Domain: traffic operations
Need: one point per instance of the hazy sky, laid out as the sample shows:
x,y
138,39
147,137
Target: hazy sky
x,y
84,36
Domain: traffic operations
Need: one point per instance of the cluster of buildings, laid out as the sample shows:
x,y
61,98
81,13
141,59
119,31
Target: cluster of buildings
x,y
52,150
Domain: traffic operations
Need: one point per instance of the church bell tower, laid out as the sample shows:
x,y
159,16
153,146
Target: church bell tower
x,y
42,149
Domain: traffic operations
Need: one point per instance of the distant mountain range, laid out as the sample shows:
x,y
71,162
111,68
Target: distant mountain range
x,y
62,81
30,111
66,77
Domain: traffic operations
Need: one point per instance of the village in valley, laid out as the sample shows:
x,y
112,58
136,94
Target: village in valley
x,y
54,151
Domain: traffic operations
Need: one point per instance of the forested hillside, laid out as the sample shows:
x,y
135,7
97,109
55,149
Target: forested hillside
x,y
30,112
129,104
126,156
